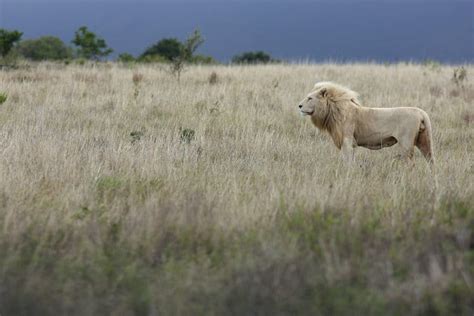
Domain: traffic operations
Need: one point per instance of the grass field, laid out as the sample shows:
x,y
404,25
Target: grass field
x,y
123,191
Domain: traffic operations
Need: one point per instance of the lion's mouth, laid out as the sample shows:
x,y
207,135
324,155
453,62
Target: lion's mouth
x,y
306,113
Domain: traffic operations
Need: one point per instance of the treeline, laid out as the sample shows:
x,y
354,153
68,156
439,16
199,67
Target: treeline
x,y
89,46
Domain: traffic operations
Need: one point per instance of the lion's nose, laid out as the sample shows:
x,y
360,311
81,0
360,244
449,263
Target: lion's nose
x,y
300,106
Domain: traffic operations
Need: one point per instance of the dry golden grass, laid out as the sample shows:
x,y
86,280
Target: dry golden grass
x,y
122,190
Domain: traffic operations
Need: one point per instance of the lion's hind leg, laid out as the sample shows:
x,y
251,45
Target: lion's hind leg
x,y
406,142
423,142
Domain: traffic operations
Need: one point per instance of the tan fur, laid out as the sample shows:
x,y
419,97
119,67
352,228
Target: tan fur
x,y
337,110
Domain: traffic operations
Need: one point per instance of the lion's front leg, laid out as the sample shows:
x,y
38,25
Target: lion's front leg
x,y
347,150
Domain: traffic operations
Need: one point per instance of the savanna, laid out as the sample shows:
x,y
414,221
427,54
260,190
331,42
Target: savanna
x,y
124,191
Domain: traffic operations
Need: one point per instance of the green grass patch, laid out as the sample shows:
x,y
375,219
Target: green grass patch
x,y
3,98
307,262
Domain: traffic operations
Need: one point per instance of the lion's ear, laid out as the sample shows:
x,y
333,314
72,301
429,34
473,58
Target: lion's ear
x,y
323,93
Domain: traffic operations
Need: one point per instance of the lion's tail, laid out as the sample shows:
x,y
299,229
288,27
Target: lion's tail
x,y
425,138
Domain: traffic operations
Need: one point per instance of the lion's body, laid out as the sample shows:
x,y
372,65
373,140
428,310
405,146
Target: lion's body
x,y
337,110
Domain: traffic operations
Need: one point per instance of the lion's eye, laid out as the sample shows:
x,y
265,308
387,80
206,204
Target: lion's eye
x,y
309,98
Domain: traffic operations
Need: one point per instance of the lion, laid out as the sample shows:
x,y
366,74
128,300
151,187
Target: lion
x,y
337,110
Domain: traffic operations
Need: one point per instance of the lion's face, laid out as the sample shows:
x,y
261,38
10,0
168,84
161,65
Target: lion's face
x,y
312,103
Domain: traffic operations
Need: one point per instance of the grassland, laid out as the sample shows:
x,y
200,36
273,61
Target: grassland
x,y
123,191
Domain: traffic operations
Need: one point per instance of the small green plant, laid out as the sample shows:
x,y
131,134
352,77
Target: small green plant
x,y
186,135
136,136
3,98
459,76
109,183
82,213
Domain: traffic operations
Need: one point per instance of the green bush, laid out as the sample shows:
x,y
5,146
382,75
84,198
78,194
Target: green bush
x,y
257,57
125,58
136,136
177,53
44,48
168,48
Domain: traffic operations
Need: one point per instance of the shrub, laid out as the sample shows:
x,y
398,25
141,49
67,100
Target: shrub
x,y
136,136
258,57
176,53
188,49
125,58
186,54
168,48
186,135
44,48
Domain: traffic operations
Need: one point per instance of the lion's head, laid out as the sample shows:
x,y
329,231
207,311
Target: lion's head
x,y
326,106
314,103
326,93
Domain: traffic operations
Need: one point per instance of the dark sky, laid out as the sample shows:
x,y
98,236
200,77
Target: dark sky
x,y
342,30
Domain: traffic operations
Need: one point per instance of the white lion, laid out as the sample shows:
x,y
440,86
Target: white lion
x,y
337,110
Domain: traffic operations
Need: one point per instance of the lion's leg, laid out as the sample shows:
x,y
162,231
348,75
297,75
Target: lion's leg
x,y
348,150
406,152
407,145
423,142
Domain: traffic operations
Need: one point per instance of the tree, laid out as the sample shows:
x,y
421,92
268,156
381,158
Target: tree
x,y
174,50
187,51
170,48
258,57
7,40
90,46
176,54
44,48
192,44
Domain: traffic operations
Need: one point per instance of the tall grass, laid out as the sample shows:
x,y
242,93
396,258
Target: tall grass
x,y
123,191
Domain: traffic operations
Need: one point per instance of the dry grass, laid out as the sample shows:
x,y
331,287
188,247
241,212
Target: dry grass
x,y
123,191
